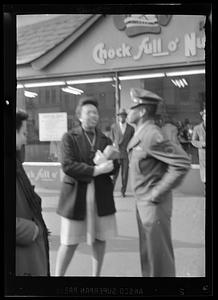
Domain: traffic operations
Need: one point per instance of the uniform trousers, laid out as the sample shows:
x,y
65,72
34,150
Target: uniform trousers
x,y
155,243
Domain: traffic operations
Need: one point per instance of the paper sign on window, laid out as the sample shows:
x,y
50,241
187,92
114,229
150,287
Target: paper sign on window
x,y
52,126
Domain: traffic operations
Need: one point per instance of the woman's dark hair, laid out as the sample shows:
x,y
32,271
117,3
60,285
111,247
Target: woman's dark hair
x,y
86,99
21,115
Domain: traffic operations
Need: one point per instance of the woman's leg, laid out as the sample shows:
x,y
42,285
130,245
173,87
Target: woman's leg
x,y
98,249
64,256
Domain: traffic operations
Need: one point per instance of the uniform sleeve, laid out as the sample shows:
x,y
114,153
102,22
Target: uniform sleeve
x,y
79,170
25,231
195,139
175,136
175,158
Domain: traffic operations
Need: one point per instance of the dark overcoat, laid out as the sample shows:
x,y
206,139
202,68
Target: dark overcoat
x,y
121,140
32,257
78,167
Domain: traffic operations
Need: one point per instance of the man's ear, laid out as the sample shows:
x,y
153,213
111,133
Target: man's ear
x,y
142,112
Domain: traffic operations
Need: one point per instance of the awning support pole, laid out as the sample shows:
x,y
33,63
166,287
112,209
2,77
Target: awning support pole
x,y
117,93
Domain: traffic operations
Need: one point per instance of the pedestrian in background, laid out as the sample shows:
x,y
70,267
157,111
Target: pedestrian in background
x,y
159,120
54,151
156,167
121,134
32,247
185,136
199,141
86,203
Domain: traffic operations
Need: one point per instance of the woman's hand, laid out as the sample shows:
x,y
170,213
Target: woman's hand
x,y
105,167
99,158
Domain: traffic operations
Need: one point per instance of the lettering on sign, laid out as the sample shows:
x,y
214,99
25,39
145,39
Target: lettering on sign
x,y
100,54
42,175
149,46
192,43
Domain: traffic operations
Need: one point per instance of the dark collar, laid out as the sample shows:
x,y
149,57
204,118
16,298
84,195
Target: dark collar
x,y
78,131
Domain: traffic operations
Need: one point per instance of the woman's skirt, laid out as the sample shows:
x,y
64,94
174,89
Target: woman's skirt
x,y
93,227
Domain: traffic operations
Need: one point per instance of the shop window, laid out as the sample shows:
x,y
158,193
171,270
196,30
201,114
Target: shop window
x,y
47,96
39,96
183,99
53,96
66,101
52,100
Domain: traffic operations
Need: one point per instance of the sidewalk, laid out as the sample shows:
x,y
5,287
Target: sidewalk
x,y
122,254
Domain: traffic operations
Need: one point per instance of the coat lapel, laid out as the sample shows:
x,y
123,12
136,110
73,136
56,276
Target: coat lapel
x,y
99,137
82,145
126,131
80,140
120,135
133,143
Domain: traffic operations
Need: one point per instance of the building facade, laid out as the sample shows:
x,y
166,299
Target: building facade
x,y
105,56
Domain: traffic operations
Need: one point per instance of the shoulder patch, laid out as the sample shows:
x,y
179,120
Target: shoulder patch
x,y
164,147
169,149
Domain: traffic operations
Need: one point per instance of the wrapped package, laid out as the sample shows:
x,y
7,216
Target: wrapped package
x,y
111,152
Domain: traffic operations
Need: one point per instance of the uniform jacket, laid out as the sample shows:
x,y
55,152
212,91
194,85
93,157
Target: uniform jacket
x,y
156,166
198,141
121,140
78,166
170,132
32,257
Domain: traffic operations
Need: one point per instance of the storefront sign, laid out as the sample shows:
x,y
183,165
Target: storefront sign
x,y
149,46
129,42
134,25
44,175
52,126
49,176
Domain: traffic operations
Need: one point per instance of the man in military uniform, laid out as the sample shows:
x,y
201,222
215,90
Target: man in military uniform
x,y
156,167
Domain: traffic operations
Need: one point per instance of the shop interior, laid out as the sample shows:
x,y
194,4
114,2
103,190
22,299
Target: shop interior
x,y
183,91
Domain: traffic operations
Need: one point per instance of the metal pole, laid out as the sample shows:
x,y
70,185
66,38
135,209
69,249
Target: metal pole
x,y
117,93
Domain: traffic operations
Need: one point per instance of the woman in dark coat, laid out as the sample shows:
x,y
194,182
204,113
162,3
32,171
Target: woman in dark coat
x,y
86,203
32,248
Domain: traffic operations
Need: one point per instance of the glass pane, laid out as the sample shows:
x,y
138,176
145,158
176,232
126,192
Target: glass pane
x,y
184,97
52,99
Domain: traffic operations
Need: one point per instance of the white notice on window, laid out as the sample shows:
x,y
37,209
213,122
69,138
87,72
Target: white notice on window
x,y
52,126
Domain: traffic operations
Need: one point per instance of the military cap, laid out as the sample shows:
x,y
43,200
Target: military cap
x,y
122,111
87,100
141,96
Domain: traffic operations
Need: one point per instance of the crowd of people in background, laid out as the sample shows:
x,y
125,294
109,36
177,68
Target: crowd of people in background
x,y
180,132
